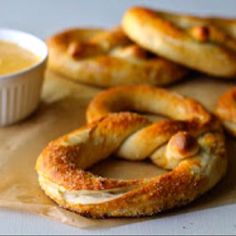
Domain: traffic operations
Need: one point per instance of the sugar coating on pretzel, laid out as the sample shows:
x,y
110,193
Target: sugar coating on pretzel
x,y
108,58
226,110
190,145
204,44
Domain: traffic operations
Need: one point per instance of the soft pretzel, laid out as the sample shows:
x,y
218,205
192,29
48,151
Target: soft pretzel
x,y
108,58
204,44
191,147
226,110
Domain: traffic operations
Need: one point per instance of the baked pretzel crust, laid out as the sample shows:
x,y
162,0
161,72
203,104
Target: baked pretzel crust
x,y
226,110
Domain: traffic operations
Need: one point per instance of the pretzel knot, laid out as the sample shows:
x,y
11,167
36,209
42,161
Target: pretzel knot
x,y
204,44
190,146
108,58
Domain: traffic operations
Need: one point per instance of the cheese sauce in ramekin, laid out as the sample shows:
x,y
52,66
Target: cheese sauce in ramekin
x,y
22,66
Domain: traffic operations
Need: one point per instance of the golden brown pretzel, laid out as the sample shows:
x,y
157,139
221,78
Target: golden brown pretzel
x,y
226,110
191,146
108,58
204,44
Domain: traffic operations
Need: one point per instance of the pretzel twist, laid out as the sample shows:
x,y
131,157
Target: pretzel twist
x,y
108,58
204,44
191,147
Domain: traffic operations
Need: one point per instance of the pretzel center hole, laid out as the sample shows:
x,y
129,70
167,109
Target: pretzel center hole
x,y
122,169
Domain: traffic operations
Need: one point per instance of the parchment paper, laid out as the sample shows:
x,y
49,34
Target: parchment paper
x,y
63,109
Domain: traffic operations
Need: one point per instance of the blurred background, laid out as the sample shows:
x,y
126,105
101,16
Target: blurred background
x,y
44,17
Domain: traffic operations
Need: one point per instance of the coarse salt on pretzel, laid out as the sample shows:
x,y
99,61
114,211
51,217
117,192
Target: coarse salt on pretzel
x,y
108,58
191,146
204,44
226,110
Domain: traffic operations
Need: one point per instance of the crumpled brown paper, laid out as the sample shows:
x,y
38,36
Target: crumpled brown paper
x,y
63,109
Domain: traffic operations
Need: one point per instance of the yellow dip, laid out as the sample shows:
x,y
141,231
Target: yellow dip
x,y
14,58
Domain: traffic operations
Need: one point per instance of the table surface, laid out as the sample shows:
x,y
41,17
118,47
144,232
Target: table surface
x,y
42,18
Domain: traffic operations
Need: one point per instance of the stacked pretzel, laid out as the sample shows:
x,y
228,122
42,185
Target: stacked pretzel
x,y
108,58
204,44
148,48
154,48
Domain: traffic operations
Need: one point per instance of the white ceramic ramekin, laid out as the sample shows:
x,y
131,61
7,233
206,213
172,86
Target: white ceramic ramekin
x,y
20,92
